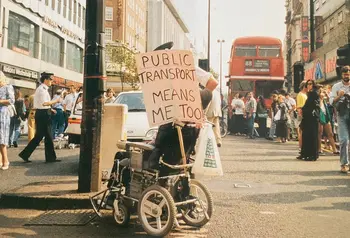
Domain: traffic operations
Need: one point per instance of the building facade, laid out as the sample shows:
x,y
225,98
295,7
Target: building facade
x,y
42,35
125,21
332,32
164,25
331,27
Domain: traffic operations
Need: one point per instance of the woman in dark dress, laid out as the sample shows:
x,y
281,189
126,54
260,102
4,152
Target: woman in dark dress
x,y
309,124
261,115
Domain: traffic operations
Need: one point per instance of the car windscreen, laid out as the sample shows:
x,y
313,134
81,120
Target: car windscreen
x,y
134,101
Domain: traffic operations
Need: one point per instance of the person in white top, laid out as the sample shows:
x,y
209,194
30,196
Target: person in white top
x,y
239,109
214,113
42,104
68,104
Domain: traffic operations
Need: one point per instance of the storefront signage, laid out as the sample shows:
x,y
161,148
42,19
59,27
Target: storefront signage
x,y
19,72
50,22
322,68
319,32
305,43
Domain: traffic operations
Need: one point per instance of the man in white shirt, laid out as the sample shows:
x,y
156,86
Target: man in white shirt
x,y
68,104
214,114
43,124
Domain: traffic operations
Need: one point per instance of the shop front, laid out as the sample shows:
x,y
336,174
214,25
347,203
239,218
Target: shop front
x,y
23,79
323,69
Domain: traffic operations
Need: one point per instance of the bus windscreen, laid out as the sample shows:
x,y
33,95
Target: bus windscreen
x,y
246,51
269,51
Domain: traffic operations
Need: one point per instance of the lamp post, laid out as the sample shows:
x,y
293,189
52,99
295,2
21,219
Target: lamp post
x,y
220,42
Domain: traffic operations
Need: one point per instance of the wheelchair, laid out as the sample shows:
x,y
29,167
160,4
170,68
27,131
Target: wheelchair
x,y
160,197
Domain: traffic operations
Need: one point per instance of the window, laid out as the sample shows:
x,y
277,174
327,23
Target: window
x,y
265,88
59,6
21,35
325,29
65,8
269,51
70,10
74,57
246,51
84,12
79,15
109,13
53,4
340,17
331,23
75,12
46,2
51,48
242,86
317,5
108,34
134,101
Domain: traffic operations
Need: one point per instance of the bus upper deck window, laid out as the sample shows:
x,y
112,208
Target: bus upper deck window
x,y
269,51
245,51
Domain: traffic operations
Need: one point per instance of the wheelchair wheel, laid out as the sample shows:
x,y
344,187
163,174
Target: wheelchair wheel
x,y
194,214
124,215
157,211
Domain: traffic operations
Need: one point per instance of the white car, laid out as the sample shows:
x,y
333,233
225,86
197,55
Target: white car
x,y
136,123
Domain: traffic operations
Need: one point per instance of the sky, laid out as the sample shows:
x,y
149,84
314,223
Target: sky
x,y
231,19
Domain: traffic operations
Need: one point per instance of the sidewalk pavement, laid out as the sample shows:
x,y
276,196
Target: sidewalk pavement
x,y
40,185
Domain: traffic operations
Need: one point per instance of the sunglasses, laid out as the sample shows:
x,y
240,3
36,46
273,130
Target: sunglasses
x,y
345,70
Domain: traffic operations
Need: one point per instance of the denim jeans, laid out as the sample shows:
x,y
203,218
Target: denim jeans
x,y
343,132
58,121
272,129
15,130
250,124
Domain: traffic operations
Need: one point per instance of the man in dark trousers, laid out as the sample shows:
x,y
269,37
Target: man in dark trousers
x,y
42,104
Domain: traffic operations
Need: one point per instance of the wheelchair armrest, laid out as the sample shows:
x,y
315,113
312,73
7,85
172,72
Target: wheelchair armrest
x,y
139,145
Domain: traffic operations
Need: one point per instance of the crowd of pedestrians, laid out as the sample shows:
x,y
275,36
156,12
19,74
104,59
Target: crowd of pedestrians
x,y
317,117
45,118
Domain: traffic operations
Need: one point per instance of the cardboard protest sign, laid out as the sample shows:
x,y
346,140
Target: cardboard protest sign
x,y
169,86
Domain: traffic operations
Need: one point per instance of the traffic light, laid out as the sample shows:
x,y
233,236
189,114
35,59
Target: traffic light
x,y
343,55
203,64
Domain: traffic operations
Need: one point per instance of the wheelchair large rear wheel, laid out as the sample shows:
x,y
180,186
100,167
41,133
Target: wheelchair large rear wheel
x,y
198,213
157,211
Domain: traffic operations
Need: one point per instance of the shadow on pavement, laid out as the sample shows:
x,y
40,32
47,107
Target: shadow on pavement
x,y
288,173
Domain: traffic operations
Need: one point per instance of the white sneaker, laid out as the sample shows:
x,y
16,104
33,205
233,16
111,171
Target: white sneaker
x,y
5,167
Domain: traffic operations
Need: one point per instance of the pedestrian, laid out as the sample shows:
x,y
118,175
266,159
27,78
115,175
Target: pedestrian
x,y
31,117
281,120
340,98
7,98
301,99
238,107
43,123
110,96
291,105
58,118
68,104
15,126
273,112
262,115
213,114
309,124
325,124
250,110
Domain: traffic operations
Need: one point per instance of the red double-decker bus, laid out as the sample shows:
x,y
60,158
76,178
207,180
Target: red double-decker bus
x,y
256,64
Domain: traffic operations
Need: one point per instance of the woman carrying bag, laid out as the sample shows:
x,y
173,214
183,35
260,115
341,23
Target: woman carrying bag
x,y
262,115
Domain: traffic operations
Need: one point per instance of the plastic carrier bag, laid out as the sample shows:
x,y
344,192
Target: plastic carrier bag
x,y
207,159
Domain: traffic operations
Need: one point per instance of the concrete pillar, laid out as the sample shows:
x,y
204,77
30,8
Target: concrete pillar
x,y
38,45
5,25
64,53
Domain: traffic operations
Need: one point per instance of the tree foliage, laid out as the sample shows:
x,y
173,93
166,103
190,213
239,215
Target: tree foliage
x,y
124,62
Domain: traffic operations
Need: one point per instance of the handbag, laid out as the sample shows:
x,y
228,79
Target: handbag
x,y
277,117
12,110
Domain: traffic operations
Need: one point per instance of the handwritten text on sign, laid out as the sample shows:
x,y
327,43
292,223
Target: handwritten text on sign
x,y
169,86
